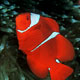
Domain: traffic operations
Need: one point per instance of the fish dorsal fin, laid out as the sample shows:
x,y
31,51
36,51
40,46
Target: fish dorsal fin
x,y
34,20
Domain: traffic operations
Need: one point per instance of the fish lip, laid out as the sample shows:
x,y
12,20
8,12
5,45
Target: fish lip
x,y
33,22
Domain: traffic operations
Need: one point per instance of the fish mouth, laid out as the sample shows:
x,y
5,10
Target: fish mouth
x,y
34,20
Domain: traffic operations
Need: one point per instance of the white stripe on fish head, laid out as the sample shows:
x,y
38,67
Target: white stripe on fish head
x,y
34,20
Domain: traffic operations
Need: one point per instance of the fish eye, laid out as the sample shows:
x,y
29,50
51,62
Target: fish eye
x,y
27,17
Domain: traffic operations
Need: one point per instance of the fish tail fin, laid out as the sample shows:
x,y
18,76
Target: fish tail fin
x,y
60,72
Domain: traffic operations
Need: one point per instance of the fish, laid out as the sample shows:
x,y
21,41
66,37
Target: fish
x,y
45,48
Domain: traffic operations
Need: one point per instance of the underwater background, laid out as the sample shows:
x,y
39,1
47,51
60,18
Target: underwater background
x,y
13,65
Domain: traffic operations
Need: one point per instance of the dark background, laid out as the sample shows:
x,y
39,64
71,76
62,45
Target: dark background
x,y
13,65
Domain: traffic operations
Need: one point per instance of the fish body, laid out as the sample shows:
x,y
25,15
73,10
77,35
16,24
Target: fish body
x,y
45,47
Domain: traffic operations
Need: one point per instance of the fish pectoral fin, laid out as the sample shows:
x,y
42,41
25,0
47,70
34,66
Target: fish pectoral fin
x,y
60,71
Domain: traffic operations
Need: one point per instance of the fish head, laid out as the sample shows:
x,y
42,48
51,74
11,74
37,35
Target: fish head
x,y
23,21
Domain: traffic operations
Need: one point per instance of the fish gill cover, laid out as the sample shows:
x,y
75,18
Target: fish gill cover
x,y
13,64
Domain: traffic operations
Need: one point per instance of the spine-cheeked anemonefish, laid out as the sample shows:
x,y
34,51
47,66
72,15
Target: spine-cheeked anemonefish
x,y
45,47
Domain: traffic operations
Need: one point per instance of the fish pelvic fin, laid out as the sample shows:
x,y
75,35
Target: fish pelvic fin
x,y
60,72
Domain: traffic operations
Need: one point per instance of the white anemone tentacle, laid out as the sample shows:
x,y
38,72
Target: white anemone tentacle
x,y
57,60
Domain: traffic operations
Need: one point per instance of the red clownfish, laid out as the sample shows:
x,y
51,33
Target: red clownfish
x,y
45,47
